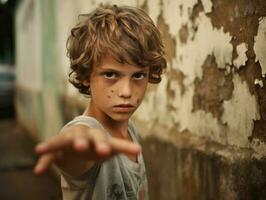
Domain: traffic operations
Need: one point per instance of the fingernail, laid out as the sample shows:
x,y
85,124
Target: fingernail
x,y
81,142
40,147
37,169
104,147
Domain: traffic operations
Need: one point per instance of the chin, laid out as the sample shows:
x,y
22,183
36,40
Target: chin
x,y
120,117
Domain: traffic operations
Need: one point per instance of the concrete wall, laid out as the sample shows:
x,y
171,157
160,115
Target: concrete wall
x,y
39,80
203,127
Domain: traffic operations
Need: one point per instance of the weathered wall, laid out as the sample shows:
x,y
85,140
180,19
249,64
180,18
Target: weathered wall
x,y
203,127
214,78
38,77
214,89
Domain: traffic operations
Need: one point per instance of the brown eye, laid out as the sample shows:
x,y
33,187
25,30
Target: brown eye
x,y
139,76
110,75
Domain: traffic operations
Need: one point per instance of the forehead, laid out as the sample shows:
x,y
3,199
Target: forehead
x,y
108,62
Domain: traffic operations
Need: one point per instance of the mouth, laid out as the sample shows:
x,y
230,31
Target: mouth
x,y
124,108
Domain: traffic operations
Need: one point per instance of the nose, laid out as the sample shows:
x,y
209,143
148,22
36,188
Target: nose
x,y
125,89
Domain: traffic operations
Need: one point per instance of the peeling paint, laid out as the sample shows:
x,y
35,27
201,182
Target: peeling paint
x,y
207,41
258,82
183,34
260,45
202,39
249,73
242,57
168,40
176,17
259,127
178,76
214,88
222,48
259,148
239,113
207,5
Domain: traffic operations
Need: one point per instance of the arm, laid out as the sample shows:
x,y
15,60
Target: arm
x,y
78,147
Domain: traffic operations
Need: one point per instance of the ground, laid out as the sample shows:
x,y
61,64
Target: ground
x,y
17,180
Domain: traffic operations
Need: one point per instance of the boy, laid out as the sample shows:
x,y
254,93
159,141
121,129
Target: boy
x,y
114,53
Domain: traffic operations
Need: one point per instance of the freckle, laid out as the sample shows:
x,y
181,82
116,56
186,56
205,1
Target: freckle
x,y
109,96
137,100
112,91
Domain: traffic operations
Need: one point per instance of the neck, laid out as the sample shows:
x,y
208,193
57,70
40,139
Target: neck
x,y
115,128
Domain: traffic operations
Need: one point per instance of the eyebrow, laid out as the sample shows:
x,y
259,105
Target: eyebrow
x,y
119,72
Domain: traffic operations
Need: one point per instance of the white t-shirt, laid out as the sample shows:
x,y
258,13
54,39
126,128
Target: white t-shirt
x,y
118,178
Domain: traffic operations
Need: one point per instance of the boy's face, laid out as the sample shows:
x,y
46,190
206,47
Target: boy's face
x,y
117,89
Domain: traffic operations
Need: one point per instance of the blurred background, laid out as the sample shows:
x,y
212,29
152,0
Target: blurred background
x,y
202,128
17,158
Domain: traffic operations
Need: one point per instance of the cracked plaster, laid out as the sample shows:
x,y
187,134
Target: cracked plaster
x,y
260,45
242,57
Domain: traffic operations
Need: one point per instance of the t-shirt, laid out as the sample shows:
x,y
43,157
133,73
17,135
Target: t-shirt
x,y
118,178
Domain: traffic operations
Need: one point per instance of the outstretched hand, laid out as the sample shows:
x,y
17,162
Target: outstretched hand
x,y
79,145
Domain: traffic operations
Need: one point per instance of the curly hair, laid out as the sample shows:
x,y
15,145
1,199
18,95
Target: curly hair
x,y
127,33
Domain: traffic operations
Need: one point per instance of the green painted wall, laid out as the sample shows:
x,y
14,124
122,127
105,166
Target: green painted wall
x,y
38,74
52,118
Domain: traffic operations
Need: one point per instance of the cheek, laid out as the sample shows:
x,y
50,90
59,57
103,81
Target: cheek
x,y
140,95
110,94
142,90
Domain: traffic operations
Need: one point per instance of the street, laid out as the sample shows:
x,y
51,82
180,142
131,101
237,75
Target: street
x,y
17,181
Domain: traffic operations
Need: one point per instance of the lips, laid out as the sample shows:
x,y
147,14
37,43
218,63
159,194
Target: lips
x,y
124,108
124,105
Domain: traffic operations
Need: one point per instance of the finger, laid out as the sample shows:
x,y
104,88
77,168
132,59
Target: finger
x,y
59,141
122,146
53,144
100,142
81,141
44,163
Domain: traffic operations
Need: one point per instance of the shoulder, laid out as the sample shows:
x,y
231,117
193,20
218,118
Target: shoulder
x,y
84,120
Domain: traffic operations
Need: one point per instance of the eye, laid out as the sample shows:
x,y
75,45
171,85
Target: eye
x,y
139,76
110,75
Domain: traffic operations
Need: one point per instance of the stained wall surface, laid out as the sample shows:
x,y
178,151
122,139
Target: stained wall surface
x,y
203,127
